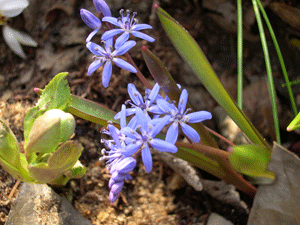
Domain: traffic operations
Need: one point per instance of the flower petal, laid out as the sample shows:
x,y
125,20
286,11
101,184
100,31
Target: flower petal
x,y
142,36
94,66
165,106
124,65
111,20
126,165
117,187
113,197
128,131
12,8
182,101
114,135
121,40
107,71
147,159
141,119
110,33
172,133
91,35
12,41
24,38
135,96
197,117
124,48
131,149
190,132
159,126
95,49
154,92
123,116
163,146
141,26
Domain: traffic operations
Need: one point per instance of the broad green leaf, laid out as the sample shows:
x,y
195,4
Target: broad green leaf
x,y
9,146
193,55
67,154
56,95
295,124
10,156
30,117
251,160
59,162
165,80
44,136
91,111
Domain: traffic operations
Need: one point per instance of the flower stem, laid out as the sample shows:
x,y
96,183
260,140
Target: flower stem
x,y
139,73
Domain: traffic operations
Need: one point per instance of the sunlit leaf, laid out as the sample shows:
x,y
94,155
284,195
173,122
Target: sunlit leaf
x,y
295,124
91,111
251,160
191,52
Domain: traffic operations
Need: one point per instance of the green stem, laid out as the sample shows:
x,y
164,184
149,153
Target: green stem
x,y
239,54
286,78
268,69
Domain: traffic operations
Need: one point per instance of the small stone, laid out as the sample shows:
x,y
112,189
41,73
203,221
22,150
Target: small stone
x,y
38,204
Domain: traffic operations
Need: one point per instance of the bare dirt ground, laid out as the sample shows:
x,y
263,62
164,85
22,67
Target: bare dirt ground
x,y
159,197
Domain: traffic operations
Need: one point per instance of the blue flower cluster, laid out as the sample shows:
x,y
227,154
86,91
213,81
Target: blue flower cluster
x,y
149,115
109,52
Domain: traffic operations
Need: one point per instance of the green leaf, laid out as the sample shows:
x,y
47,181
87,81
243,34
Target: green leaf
x,y
77,171
295,124
10,156
56,95
30,117
251,160
191,52
66,155
91,111
58,163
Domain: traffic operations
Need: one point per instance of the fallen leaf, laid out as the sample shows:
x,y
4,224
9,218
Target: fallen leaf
x,y
279,203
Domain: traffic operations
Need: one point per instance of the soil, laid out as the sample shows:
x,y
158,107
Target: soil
x,y
148,198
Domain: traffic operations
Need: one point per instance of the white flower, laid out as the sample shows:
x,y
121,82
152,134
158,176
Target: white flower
x,y
12,8
12,37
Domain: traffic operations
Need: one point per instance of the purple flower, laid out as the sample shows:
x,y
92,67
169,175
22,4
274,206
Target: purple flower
x,y
92,21
179,116
120,172
145,138
102,7
127,26
106,56
118,164
147,104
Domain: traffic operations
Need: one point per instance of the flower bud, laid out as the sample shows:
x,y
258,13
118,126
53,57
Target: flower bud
x,y
102,7
48,130
89,19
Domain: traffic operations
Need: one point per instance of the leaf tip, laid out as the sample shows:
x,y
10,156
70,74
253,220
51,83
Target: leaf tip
x,y
144,48
156,6
38,91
